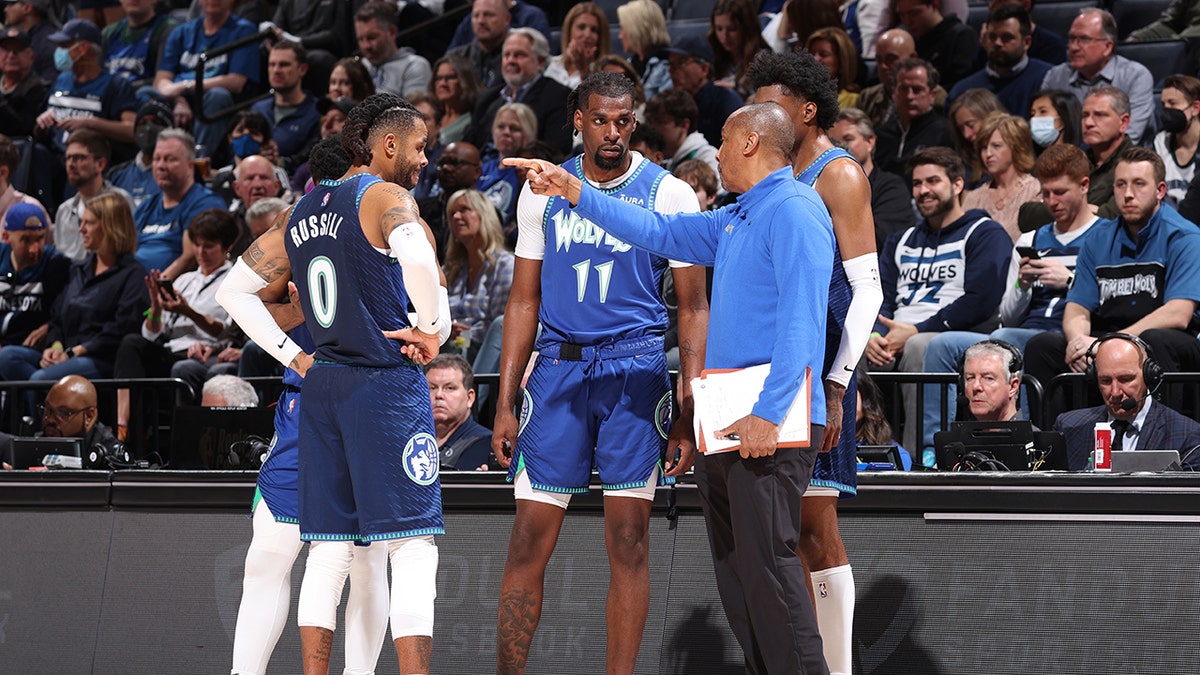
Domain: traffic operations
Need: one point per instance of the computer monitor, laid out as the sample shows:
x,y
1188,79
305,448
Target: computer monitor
x,y
202,437
992,446
28,451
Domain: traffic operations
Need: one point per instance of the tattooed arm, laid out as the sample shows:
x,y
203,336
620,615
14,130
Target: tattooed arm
x,y
264,268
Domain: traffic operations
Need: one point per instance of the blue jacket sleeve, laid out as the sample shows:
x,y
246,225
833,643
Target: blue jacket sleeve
x,y
1183,274
988,252
687,237
799,340
888,274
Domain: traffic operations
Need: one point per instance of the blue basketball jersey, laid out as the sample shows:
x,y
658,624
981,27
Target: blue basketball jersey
x,y
350,291
596,288
837,469
840,293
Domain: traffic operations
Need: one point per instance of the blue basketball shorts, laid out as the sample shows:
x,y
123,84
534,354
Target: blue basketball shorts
x,y
838,468
277,477
368,455
610,409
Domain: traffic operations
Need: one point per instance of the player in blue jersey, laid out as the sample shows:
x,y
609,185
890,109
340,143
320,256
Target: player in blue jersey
x,y
368,458
802,86
266,587
599,392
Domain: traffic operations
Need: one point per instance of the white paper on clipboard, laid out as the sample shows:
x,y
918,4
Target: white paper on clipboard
x,y
722,397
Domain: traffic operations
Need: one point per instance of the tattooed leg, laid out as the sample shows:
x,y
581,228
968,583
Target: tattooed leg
x,y
534,534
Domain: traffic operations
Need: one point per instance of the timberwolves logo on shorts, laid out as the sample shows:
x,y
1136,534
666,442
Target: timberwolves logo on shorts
x,y
421,459
662,415
526,411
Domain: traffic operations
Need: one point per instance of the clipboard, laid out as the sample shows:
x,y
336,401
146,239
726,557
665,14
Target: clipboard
x,y
722,396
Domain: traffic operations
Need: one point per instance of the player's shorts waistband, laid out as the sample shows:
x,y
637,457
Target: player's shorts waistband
x,y
631,347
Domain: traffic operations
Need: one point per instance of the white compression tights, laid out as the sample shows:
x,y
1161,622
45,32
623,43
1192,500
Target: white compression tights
x,y
266,595
413,561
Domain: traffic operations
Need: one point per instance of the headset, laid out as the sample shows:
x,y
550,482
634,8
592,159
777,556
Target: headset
x,y
115,456
1152,373
1016,363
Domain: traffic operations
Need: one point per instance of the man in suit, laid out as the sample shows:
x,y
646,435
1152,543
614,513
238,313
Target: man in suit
x,y
526,52
1127,376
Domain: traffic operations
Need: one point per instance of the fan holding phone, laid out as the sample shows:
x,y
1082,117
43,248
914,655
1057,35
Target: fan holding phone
x,y
180,335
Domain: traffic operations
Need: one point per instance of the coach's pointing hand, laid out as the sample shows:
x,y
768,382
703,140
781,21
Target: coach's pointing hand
x,y
548,179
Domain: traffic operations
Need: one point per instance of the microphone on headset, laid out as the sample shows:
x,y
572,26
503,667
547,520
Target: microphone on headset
x,y
1130,403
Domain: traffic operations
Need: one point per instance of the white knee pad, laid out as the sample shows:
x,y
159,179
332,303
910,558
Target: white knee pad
x,y
645,492
324,577
414,575
523,489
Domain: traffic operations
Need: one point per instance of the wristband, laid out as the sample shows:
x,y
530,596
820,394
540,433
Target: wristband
x,y
876,334
56,345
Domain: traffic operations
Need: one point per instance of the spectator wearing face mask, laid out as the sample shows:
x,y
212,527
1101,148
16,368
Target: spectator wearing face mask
x,y
1180,135
135,176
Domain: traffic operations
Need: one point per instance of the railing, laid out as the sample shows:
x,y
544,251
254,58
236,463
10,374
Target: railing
x,y
198,90
151,401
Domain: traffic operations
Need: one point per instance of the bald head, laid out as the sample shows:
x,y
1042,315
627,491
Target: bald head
x,y
254,179
770,121
755,142
78,389
1119,376
70,408
891,47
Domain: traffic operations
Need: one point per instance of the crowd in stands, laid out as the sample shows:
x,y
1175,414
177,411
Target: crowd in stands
x,y
1030,183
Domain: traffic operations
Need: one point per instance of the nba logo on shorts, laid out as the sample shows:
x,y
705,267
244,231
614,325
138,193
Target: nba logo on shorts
x,y
822,590
421,459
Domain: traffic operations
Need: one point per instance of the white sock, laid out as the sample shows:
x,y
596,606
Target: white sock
x,y
366,609
324,578
266,591
834,591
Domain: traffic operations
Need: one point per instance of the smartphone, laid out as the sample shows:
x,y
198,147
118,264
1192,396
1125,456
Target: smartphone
x,y
1028,252
165,286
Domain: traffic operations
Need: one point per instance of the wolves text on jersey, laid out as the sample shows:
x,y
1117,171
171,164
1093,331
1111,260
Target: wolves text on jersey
x,y
570,228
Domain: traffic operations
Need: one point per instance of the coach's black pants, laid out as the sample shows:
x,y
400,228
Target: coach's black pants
x,y
752,511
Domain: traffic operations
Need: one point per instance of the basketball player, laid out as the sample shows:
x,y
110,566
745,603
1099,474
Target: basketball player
x,y
368,419
802,86
599,391
266,588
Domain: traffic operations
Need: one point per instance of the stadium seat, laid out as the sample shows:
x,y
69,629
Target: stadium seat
x,y
1056,17
610,8
40,174
1134,14
690,10
1163,57
976,15
678,29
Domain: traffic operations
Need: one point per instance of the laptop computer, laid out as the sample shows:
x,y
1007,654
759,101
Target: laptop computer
x,y
1129,461
28,451
202,437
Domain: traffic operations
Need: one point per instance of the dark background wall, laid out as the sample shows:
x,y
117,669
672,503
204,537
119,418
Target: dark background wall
x,y
119,591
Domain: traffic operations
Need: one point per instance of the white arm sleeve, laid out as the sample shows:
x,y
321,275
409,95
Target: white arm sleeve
x,y
419,265
1015,303
445,321
863,273
238,294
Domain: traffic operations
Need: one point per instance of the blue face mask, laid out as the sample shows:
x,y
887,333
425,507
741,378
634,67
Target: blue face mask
x,y
1043,131
62,59
243,146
